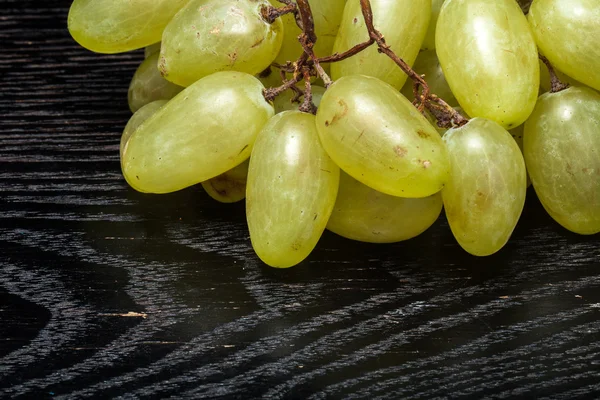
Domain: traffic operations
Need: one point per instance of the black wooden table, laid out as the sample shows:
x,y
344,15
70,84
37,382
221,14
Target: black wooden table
x,y
106,292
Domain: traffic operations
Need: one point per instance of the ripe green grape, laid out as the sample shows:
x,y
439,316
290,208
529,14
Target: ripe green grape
x,y
291,190
380,139
137,119
568,33
402,22
327,15
229,187
562,150
428,64
429,41
485,194
361,213
148,85
218,35
283,102
489,59
517,134
116,26
204,131
153,48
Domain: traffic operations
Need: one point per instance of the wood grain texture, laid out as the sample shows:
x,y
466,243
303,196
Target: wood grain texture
x,y
105,292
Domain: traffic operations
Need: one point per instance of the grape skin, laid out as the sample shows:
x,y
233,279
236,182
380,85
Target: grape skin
x,y
361,213
402,22
380,139
138,119
428,64
292,187
147,85
116,26
568,33
218,35
562,150
229,187
429,41
489,59
485,194
206,130
153,48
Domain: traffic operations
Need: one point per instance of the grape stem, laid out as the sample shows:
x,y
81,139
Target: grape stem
x,y
556,85
270,13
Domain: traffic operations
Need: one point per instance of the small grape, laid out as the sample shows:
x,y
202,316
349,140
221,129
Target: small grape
x,y
153,48
291,189
229,187
485,194
148,85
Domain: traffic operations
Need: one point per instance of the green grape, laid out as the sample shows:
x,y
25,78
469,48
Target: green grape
x,y
489,59
429,41
562,150
218,35
545,82
116,26
327,15
229,187
485,195
148,85
568,33
361,213
283,102
427,64
137,119
402,22
204,131
517,134
153,48
270,79
379,138
291,190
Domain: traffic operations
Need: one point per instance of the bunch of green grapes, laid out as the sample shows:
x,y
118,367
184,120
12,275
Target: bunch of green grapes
x,y
372,163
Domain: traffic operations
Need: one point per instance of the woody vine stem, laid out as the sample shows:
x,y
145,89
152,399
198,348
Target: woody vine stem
x,y
309,64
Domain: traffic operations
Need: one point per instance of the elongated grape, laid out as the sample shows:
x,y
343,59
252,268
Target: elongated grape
x,y
137,119
361,213
204,131
429,41
153,48
218,35
485,195
116,26
428,64
402,22
291,190
568,33
229,187
283,102
562,150
148,85
489,59
327,15
380,139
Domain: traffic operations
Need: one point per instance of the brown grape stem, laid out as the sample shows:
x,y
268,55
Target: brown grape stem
x,y
270,13
556,85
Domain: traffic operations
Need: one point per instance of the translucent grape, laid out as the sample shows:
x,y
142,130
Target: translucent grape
x,y
485,195
204,131
429,41
153,48
379,138
427,64
402,22
562,150
283,102
218,35
361,213
229,187
148,85
568,33
327,15
291,190
489,59
115,26
137,119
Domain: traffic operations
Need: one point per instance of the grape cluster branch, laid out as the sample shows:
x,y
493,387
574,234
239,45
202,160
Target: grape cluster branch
x,y
556,85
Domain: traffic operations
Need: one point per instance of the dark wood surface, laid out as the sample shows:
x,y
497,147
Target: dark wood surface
x,y
106,292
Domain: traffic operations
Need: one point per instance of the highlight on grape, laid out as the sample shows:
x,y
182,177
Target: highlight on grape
x,y
363,117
